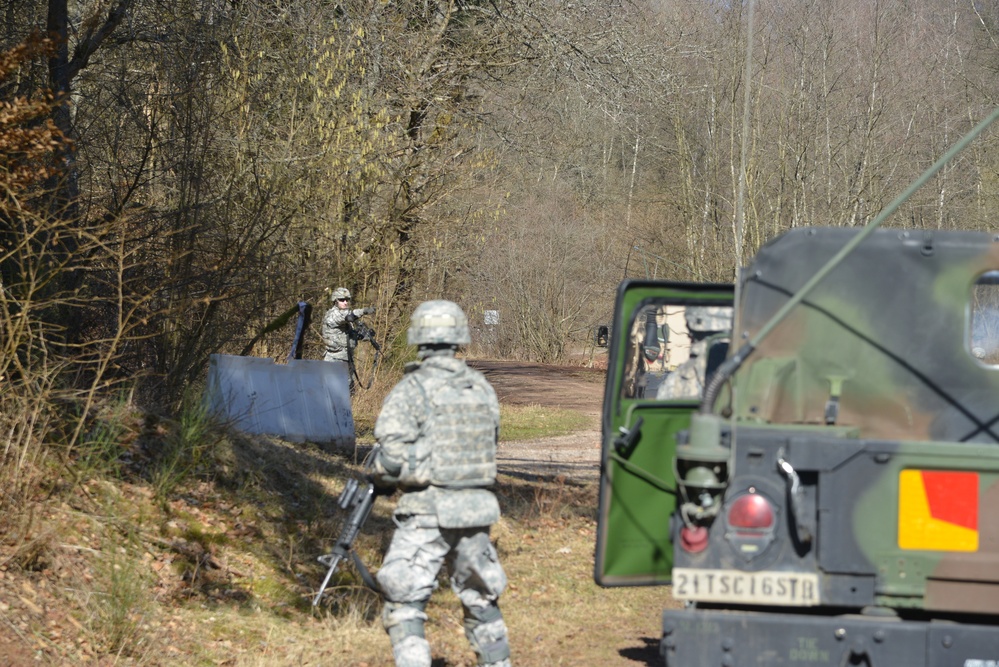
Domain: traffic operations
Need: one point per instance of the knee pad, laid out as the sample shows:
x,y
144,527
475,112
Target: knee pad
x,y
403,619
488,639
482,615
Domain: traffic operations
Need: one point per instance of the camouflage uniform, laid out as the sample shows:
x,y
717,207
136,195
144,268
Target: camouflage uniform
x,y
687,381
337,330
437,431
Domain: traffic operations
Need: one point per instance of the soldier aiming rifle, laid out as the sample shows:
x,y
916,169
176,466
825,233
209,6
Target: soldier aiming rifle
x,y
339,329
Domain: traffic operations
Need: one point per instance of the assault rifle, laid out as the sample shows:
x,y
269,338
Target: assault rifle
x,y
363,332
357,499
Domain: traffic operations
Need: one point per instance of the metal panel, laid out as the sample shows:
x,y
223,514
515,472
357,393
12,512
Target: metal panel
x,y
304,400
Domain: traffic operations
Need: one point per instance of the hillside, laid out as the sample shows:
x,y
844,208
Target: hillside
x,y
221,568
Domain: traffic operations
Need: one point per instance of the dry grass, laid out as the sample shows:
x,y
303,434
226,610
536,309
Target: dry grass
x,y
145,602
218,568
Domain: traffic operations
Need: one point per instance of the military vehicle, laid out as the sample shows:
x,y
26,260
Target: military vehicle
x,y
823,497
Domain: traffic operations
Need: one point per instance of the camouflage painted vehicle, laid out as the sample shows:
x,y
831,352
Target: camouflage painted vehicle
x,y
826,504
823,496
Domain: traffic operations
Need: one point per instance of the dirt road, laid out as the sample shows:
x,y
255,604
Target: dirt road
x,y
577,455
626,631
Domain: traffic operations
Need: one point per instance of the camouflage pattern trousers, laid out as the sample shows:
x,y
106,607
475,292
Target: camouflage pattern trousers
x,y
409,575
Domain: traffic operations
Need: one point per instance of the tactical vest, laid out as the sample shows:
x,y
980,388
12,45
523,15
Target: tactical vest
x,y
457,448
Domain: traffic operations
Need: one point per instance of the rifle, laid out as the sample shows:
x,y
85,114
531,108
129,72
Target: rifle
x,y
357,498
362,332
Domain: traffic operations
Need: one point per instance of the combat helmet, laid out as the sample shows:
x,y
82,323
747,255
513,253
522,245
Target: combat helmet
x,y
340,293
438,322
709,318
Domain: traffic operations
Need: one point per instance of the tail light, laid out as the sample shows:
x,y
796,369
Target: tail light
x,y
751,511
750,523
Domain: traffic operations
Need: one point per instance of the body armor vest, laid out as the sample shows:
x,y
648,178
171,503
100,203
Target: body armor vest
x,y
457,448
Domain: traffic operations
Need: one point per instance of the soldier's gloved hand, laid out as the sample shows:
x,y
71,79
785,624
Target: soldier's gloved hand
x,y
383,487
369,310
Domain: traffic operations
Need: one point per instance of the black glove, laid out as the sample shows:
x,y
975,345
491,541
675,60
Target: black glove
x,y
383,487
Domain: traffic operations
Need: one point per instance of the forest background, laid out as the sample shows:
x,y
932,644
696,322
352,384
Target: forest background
x,y
176,174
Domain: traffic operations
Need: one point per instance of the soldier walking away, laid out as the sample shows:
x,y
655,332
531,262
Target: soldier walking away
x,y
437,434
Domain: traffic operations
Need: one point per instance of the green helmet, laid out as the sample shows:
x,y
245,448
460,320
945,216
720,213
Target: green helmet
x,y
340,293
438,322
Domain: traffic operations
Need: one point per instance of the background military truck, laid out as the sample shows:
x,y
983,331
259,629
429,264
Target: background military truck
x,y
827,502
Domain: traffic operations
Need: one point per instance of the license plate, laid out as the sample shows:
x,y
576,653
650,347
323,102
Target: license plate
x,y
795,589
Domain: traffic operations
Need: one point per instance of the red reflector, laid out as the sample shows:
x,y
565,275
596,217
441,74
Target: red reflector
x,y
751,511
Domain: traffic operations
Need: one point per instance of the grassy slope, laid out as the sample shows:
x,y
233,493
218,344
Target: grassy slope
x,y
219,568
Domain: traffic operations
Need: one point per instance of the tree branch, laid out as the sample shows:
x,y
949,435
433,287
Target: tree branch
x,y
94,38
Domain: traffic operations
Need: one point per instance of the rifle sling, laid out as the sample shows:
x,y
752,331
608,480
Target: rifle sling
x,y
366,577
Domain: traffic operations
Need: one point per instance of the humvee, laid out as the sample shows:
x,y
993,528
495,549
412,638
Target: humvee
x,y
815,482
823,497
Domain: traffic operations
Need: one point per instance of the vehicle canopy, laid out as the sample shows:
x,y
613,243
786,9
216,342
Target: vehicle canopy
x,y
896,341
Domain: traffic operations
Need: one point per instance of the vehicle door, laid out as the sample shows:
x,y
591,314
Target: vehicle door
x,y
657,368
